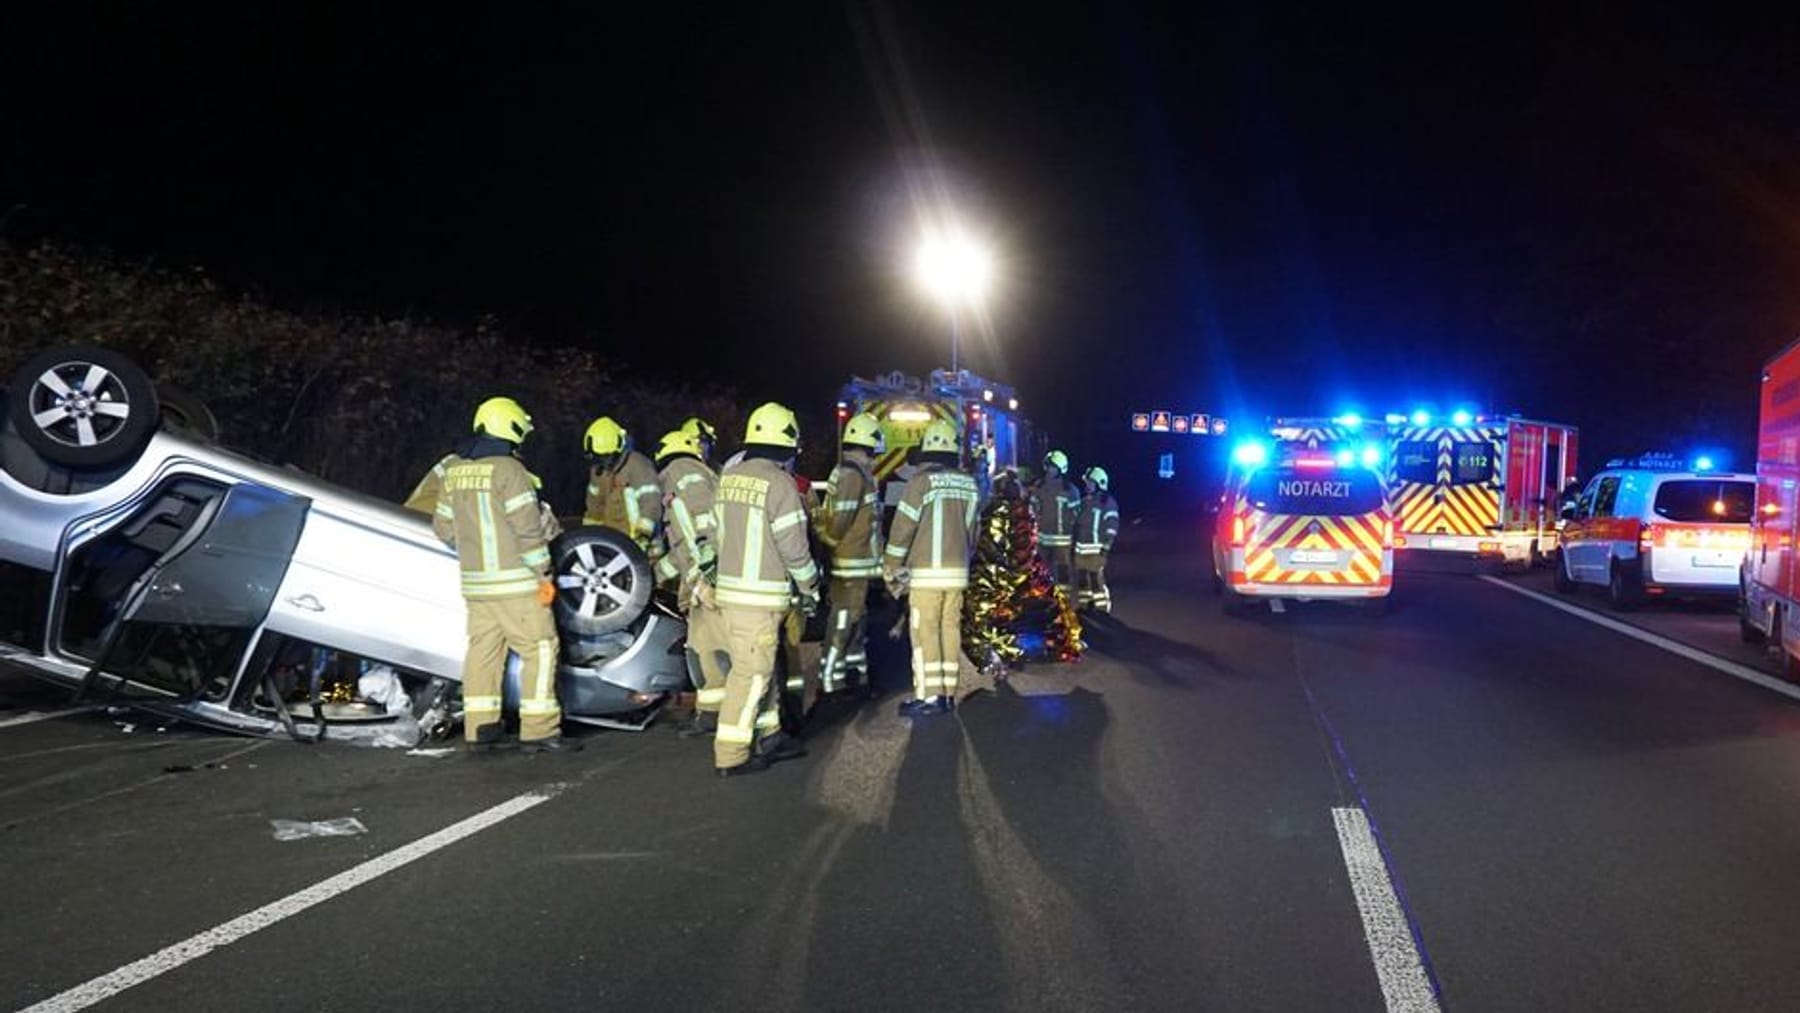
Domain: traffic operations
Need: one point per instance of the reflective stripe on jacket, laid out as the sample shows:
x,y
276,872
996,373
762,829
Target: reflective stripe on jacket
x,y
688,489
759,524
851,522
934,527
627,498
489,512
1056,500
1097,524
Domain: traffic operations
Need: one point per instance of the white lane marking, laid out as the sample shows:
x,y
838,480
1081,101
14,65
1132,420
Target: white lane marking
x,y
32,717
1707,658
1404,985
193,948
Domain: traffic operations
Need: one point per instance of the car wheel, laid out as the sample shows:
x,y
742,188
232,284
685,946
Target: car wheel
x,y
1625,589
184,411
1564,582
603,581
83,407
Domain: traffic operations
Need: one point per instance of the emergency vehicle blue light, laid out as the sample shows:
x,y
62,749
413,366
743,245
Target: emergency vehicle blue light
x,y
1396,420
1461,418
1371,456
1703,463
1349,420
1250,454
1421,418
1344,458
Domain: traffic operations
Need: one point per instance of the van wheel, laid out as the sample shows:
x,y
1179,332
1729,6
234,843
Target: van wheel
x,y
81,406
1748,631
1564,583
603,581
1625,590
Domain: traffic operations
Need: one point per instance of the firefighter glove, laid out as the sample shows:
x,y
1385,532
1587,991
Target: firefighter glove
x,y
546,593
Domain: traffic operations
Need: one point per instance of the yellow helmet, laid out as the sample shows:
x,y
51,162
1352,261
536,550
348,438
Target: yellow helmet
x,y
773,425
863,430
1058,460
502,417
700,429
678,442
940,438
1097,476
605,437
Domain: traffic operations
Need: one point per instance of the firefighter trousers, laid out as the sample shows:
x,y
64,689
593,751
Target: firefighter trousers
x,y
1090,572
521,625
752,705
936,625
846,639
706,657
1061,560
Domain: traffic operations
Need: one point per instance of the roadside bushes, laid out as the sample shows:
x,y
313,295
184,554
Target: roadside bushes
x,y
366,402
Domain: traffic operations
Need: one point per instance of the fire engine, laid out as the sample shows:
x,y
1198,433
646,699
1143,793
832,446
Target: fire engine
x,y
995,434
1304,523
1769,599
1468,486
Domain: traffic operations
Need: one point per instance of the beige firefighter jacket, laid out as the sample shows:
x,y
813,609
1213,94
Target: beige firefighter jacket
x,y
760,526
689,488
934,528
1097,524
628,498
489,512
850,523
1057,500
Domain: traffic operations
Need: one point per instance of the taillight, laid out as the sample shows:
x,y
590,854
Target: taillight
x,y
1647,537
1237,531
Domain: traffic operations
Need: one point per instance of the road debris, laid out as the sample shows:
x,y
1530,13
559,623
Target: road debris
x,y
294,830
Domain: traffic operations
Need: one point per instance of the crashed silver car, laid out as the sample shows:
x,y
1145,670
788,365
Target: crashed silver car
x,y
142,563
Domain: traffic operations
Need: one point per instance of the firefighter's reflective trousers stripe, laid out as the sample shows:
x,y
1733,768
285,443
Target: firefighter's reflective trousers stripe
x,y
793,631
936,642
1061,560
528,630
752,705
1090,569
846,633
707,659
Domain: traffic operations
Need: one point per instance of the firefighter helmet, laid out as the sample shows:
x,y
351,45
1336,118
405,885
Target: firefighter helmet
x,y
503,418
678,442
1058,460
940,438
605,437
701,430
1097,477
863,430
773,425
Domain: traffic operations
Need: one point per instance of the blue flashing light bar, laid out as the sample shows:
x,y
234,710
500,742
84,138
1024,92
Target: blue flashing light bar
x,y
1703,463
1349,420
1461,417
1395,419
1421,418
1344,458
1250,454
1371,456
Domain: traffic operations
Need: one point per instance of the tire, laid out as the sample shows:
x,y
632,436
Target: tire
x,y
184,412
1747,630
68,424
1624,589
1564,583
603,581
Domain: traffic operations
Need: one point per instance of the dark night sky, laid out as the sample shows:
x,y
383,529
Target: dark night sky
x,y
1267,208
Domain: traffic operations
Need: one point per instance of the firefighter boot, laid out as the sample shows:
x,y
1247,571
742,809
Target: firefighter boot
x,y
553,744
755,764
701,725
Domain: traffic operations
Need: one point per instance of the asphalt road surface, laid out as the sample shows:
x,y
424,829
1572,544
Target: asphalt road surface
x,y
1477,802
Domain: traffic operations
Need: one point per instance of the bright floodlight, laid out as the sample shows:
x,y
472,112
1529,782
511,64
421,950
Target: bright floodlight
x,y
954,267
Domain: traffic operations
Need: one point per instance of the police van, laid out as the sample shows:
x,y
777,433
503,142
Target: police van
x,y
1658,526
1303,524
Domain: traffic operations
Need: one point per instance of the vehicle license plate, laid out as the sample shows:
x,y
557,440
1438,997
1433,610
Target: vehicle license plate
x,y
1314,556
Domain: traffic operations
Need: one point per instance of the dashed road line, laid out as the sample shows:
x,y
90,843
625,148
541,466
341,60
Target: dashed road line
x,y
32,717
1676,647
1405,986
194,947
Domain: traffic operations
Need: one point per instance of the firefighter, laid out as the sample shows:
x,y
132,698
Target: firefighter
x,y
703,433
1057,500
928,558
623,492
850,526
763,560
1096,527
688,487
489,512
424,498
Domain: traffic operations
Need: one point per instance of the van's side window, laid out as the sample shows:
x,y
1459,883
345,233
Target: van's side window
x,y
1606,496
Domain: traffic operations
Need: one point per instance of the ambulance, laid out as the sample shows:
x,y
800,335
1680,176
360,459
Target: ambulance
x,y
1304,523
995,435
1769,581
1466,486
